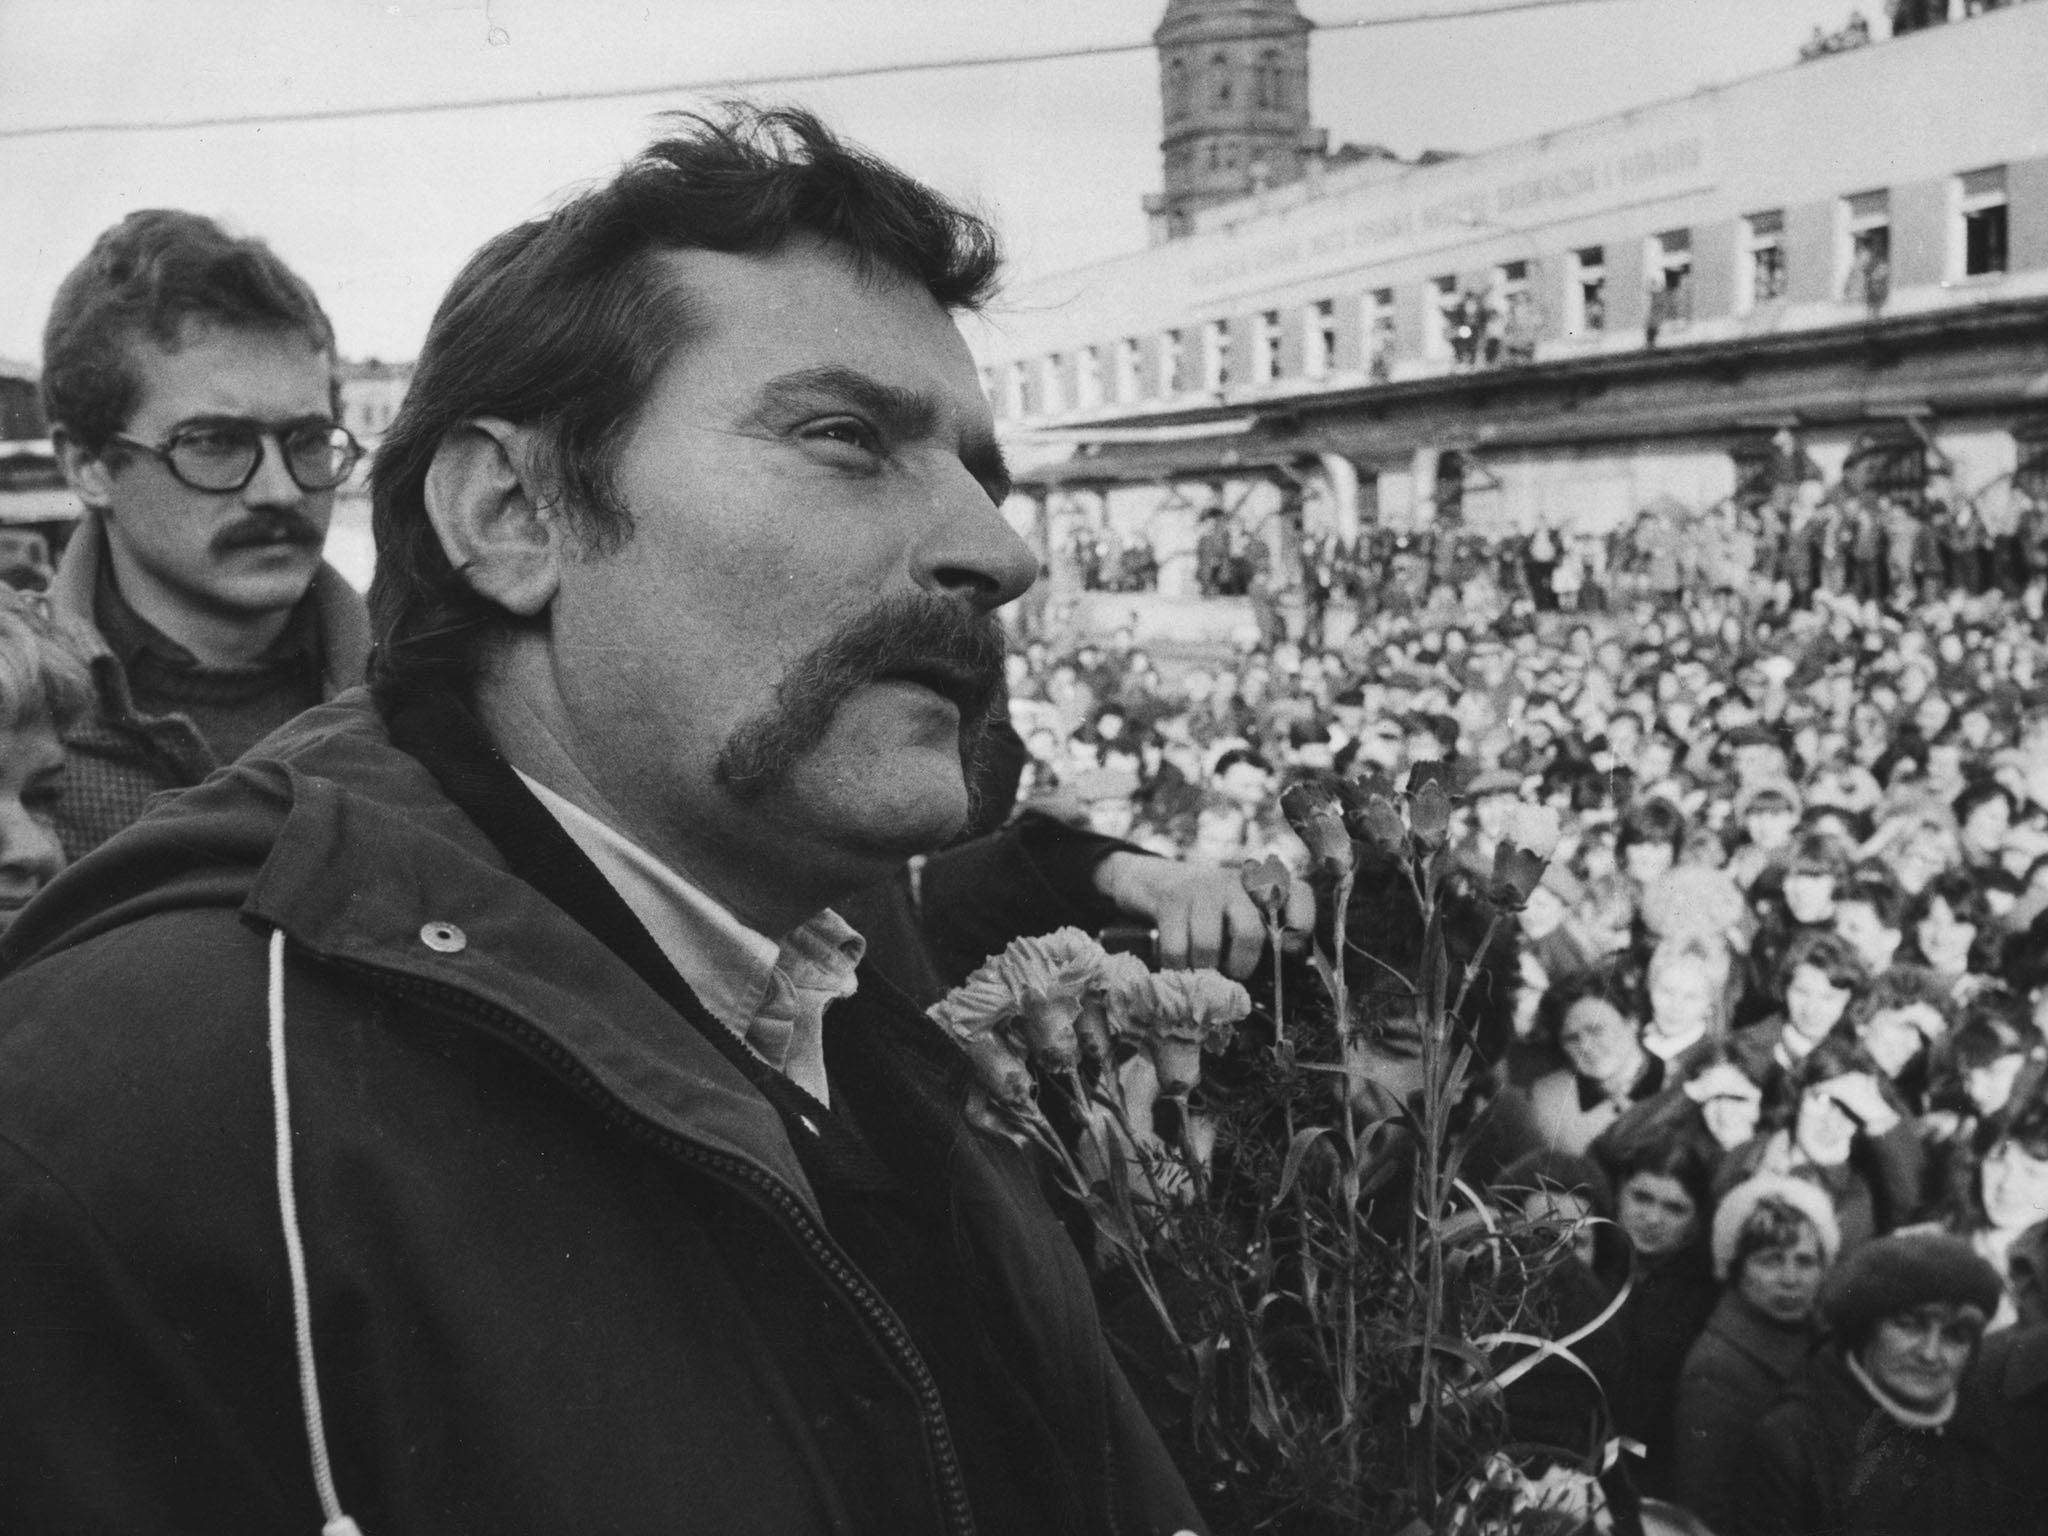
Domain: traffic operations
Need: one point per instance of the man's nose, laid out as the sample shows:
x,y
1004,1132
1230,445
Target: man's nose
x,y
272,484
971,551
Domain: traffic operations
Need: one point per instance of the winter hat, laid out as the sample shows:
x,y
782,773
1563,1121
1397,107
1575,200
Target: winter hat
x,y
1894,1274
1740,1203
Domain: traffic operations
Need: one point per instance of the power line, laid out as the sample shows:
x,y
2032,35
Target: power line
x,y
738,82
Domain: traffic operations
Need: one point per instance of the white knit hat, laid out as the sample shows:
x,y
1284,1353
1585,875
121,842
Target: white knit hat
x,y
1740,1203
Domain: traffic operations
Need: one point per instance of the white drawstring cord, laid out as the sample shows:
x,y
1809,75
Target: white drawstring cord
x,y
336,1523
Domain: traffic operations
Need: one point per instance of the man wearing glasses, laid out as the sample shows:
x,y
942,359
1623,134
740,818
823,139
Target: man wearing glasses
x,y
189,380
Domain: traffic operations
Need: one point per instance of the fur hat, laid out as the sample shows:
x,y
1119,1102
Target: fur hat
x,y
1894,1274
1740,1203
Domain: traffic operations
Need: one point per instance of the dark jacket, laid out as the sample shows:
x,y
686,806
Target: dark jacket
x,y
1827,1461
1734,1373
117,757
1671,1299
568,1271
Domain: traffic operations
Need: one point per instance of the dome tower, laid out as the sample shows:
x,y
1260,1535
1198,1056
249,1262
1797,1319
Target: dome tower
x,y
1233,86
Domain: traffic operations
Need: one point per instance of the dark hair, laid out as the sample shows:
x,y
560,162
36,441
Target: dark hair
x,y
564,324
1830,954
151,276
1961,892
1682,1157
1876,887
1773,1223
1980,792
1618,983
1655,820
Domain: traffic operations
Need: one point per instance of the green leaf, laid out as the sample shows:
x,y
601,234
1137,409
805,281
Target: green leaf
x,y
1290,1170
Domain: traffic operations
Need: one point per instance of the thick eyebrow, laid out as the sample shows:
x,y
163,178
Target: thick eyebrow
x,y
901,413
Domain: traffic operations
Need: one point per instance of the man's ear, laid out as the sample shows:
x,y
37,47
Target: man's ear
x,y
494,523
86,473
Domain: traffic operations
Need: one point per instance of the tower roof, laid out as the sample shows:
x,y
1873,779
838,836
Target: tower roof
x,y
1186,19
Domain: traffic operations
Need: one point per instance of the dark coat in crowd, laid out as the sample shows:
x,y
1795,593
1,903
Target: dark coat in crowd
x,y
1827,1461
1735,1372
577,1261
1672,1299
2005,1405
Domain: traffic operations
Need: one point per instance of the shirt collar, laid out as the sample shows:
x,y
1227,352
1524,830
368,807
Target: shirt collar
x,y
771,994
129,635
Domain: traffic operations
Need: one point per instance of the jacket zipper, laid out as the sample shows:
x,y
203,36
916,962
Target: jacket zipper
x,y
737,1171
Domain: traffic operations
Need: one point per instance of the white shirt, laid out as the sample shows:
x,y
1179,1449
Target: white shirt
x,y
771,995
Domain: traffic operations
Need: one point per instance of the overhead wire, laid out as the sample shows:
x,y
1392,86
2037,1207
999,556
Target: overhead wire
x,y
741,82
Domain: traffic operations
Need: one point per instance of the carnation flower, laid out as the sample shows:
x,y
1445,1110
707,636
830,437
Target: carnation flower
x,y
1185,1013
1532,828
1268,884
1050,975
976,1014
1108,1007
1317,818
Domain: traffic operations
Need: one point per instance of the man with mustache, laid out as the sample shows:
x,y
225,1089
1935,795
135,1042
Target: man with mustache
x,y
469,1111
189,379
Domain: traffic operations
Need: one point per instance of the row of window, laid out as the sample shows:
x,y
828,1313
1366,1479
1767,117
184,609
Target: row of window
x,y
1268,83
1502,322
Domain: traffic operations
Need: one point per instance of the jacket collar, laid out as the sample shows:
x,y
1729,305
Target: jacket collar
x,y
340,619
1777,1346
352,848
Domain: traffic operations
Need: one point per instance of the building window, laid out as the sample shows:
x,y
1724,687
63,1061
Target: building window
x,y
1216,355
1127,369
1266,348
1763,266
1055,385
1176,88
1378,333
1171,377
1219,79
1319,339
992,391
1450,487
1867,248
2030,475
1514,341
1020,389
1983,210
1088,378
1670,274
1890,461
1588,292
1439,315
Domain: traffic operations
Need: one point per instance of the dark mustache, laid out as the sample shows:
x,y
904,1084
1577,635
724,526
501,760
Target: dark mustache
x,y
281,527
935,640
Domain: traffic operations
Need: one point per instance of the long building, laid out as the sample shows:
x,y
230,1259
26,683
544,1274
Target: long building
x,y
1571,329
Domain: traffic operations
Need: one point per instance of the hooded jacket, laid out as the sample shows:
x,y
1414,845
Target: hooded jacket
x,y
564,1269
117,756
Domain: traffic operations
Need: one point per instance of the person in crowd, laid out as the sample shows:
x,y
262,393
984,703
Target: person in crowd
x,y
1821,978
45,687
1773,1240
1687,982
608,1190
1864,1438
1898,1023
1663,1204
2004,1191
1828,1119
189,379
1592,1020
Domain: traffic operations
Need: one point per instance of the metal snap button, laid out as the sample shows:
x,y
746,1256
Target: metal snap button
x,y
444,938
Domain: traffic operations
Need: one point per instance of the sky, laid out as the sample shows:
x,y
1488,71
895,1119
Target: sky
x,y
379,213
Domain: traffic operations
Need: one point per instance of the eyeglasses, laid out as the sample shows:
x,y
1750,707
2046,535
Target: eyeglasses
x,y
224,455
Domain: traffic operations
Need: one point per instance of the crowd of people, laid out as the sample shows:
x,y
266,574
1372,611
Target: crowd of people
x,y
1783,1014
538,930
